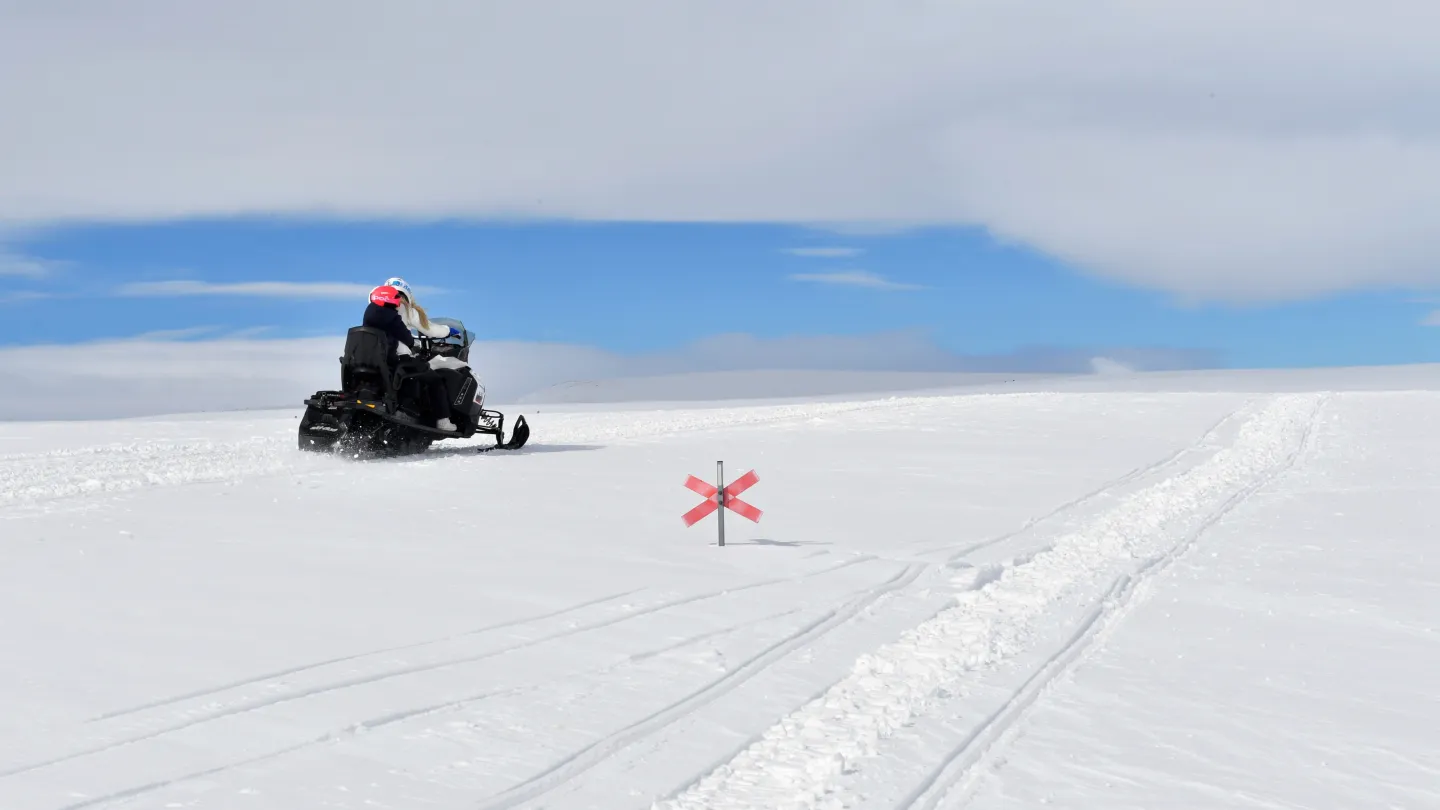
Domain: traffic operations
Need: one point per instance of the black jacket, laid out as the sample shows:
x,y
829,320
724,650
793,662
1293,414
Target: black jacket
x,y
388,319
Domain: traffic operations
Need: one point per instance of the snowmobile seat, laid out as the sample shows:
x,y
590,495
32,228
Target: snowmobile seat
x,y
366,367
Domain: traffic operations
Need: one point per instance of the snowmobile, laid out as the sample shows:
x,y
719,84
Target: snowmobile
x,y
378,410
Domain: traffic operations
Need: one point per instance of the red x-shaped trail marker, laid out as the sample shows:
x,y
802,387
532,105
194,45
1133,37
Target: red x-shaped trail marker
x,y
711,494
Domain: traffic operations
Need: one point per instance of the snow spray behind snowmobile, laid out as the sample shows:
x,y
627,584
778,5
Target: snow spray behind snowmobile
x,y
378,409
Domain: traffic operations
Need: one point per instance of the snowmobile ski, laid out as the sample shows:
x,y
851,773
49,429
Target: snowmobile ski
x,y
518,437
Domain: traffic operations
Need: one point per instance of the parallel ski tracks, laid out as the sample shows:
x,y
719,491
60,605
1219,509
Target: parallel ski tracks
x,y
395,672
801,759
581,761
1205,441
371,724
960,770
314,665
828,621
955,769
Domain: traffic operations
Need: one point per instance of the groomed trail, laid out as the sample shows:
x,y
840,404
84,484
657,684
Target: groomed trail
x,y
796,762
200,616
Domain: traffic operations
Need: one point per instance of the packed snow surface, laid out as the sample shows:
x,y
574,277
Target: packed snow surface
x,y
1138,592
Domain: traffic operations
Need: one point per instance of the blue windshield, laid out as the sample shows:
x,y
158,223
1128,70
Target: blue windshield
x,y
465,338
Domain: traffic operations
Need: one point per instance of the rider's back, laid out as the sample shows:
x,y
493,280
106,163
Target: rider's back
x,y
389,319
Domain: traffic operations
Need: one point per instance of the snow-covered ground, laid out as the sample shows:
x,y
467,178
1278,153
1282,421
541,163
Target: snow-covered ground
x,y
1192,591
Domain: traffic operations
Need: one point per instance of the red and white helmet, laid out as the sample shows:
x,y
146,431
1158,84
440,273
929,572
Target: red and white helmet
x,y
385,295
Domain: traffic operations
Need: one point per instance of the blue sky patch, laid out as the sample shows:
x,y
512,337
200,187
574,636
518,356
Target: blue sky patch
x,y
641,287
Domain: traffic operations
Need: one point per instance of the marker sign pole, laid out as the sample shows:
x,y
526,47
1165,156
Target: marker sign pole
x,y
721,498
720,482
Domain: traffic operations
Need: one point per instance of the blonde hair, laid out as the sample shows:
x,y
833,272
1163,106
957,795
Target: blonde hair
x,y
420,312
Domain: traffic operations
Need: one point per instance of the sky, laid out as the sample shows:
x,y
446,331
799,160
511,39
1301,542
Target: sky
x,y
821,183
929,299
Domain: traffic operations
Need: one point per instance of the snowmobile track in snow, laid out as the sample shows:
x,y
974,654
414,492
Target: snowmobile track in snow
x,y
1207,439
371,724
581,761
800,759
597,752
270,676
303,668
962,767
209,714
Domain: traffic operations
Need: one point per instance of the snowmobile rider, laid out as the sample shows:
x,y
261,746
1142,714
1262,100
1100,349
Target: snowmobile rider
x,y
387,310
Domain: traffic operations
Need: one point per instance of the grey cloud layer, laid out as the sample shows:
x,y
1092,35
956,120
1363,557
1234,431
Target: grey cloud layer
x,y
1217,148
155,374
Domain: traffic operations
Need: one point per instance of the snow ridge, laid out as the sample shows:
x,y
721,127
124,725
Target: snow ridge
x,y
796,762
33,478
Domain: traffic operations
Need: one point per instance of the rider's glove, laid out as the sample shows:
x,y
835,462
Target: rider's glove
x,y
453,332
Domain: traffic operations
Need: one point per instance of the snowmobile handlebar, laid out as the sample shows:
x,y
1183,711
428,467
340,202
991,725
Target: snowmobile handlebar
x,y
430,347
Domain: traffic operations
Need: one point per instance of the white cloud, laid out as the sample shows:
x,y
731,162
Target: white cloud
x,y
173,334
825,252
27,295
1217,148
249,332
187,333
265,289
163,374
1433,319
854,278
13,265
1107,366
